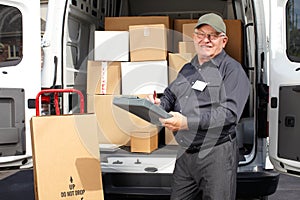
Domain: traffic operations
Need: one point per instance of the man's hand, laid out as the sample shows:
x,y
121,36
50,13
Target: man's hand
x,y
156,101
175,123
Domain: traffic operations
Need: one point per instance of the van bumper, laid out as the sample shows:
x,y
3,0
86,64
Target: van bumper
x,y
257,184
158,186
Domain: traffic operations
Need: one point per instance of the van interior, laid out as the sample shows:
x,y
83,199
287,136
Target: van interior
x,y
240,45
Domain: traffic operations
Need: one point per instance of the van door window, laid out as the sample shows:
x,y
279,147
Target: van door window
x,y
11,41
293,30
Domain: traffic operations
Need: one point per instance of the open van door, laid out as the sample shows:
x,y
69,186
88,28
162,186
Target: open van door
x,y
67,45
20,81
284,107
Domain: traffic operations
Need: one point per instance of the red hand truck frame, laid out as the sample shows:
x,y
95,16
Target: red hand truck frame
x,y
56,91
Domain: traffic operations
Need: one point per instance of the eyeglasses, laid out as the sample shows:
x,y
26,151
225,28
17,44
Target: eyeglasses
x,y
201,35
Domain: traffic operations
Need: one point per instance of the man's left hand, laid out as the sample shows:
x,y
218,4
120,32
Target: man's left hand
x,y
175,123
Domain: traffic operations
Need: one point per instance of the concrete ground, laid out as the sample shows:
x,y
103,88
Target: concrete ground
x,y
18,185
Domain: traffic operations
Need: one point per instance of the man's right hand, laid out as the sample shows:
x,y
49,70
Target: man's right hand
x,y
156,100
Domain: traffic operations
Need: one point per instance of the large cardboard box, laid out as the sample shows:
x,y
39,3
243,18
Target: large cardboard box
x,y
169,138
103,77
148,42
235,43
144,77
178,23
66,157
123,23
177,33
187,32
176,62
144,141
234,32
115,124
187,47
111,46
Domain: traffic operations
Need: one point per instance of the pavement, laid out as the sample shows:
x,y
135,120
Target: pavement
x,y
18,184
288,188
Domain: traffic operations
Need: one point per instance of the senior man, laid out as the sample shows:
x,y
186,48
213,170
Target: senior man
x,y
206,100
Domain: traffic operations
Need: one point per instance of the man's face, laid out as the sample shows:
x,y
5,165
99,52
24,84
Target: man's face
x,y
208,43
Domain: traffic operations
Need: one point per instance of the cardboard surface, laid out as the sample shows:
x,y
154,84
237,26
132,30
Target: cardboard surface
x,y
123,23
176,62
143,141
169,137
111,46
187,32
66,157
177,33
114,123
235,43
103,77
187,47
178,23
148,42
144,77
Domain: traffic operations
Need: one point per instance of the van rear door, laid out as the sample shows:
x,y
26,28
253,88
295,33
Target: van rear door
x,y
67,45
284,107
20,78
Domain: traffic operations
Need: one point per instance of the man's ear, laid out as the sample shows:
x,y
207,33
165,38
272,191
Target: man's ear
x,y
225,40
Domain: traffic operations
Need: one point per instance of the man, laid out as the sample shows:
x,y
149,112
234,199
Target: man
x,y
206,101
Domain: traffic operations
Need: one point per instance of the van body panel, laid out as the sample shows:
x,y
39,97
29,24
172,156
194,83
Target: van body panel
x,y
284,84
20,77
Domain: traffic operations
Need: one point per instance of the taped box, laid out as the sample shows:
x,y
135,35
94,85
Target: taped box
x,y
115,124
143,141
148,42
103,77
66,157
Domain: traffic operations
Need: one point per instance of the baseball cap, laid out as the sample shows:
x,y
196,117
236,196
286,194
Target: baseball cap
x,y
214,21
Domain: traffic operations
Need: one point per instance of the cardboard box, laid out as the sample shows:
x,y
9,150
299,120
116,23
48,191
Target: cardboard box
x,y
144,77
177,33
187,32
115,124
187,47
169,138
143,141
66,157
235,43
103,77
176,62
123,23
111,46
148,42
234,32
178,23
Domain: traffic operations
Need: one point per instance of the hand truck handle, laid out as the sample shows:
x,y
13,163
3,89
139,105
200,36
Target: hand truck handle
x,y
56,91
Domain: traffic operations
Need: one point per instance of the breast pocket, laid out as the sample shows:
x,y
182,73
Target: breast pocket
x,y
213,92
181,89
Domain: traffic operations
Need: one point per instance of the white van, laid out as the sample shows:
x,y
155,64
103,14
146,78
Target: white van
x,y
31,61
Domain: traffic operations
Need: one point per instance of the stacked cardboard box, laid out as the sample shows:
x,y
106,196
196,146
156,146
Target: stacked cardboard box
x,y
148,42
111,46
130,58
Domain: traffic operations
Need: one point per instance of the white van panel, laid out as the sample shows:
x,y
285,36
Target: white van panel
x,y
26,73
284,77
